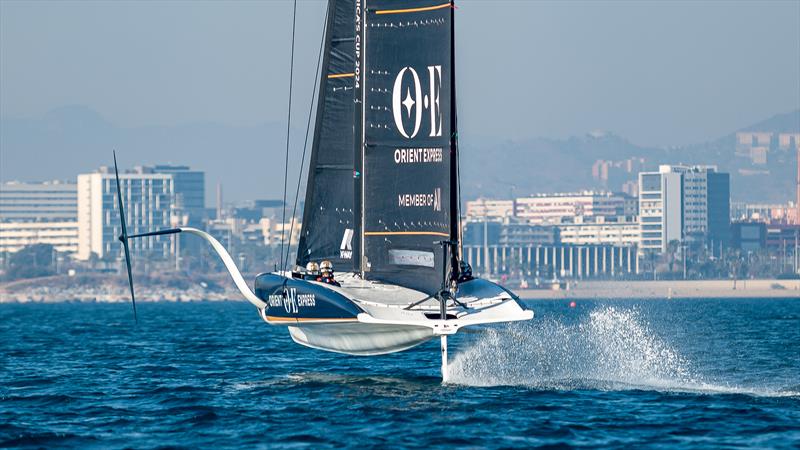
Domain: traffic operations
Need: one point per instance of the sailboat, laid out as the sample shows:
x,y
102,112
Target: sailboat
x,y
382,203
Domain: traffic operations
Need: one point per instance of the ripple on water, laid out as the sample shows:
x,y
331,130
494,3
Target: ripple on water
x,y
213,375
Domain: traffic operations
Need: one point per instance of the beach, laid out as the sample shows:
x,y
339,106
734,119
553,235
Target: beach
x,y
765,288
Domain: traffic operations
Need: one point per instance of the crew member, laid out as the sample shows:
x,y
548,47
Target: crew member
x,y
326,269
312,271
464,271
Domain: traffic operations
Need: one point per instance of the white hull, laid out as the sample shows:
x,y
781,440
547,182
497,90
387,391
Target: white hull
x,y
360,339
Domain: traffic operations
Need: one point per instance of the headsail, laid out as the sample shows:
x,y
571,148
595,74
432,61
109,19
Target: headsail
x,y
328,218
404,148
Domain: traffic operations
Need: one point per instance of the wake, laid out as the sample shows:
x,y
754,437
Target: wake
x,y
611,349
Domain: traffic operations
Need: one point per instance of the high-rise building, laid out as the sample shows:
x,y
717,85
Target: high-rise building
x,y
718,222
38,213
660,209
680,203
190,190
154,197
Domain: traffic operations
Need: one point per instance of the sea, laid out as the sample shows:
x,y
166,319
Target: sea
x,y
703,373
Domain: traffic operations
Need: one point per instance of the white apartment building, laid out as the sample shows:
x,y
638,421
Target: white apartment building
x,y
63,236
488,209
621,232
660,209
149,200
558,208
38,213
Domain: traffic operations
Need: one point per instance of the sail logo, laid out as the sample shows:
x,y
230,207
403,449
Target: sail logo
x,y
413,99
346,249
432,200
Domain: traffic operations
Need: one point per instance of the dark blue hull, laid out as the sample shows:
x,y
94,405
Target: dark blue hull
x,y
293,300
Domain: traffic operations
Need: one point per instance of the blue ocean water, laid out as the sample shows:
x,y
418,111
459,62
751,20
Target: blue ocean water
x,y
679,373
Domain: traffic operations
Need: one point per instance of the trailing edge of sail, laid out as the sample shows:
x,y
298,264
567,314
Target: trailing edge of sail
x,y
328,217
404,140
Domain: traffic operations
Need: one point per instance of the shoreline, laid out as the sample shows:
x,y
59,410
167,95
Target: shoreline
x,y
48,290
668,289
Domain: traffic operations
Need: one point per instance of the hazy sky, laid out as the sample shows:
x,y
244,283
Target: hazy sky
x,y
660,73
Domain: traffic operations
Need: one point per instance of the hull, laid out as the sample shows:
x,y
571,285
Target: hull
x,y
360,338
366,318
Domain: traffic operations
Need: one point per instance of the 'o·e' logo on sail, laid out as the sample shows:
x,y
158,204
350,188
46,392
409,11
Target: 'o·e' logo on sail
x,y
415,100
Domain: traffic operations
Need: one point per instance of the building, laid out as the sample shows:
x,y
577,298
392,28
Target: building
x,y
754,145
190,191
620,231
763,212
487,209
547,262
684,203
523,234
558,208
38,213
62,235
707,205
749,236
789,141
660,209
38,202
481,233
255,210
155,197
783,237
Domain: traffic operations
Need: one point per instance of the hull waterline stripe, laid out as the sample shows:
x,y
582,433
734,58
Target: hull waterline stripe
x,y
341,75
309,319
405,233
411,10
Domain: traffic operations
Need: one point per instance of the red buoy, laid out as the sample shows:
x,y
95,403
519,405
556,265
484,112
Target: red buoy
x,y
572,304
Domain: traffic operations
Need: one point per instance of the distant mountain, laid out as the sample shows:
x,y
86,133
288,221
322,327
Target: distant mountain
x,y
496,169
779,123
249,160
542,165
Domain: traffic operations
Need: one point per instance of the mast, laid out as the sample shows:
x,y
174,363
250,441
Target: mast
x,y
360,135
455,213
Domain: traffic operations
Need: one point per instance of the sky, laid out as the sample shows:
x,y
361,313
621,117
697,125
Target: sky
x,y
658,73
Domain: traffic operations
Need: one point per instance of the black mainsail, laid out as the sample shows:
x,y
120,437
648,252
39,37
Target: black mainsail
x,y
328,218
382,185
404,151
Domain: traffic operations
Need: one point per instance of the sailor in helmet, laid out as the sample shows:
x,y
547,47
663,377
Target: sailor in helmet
x,y
312,271
464,271
326,269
